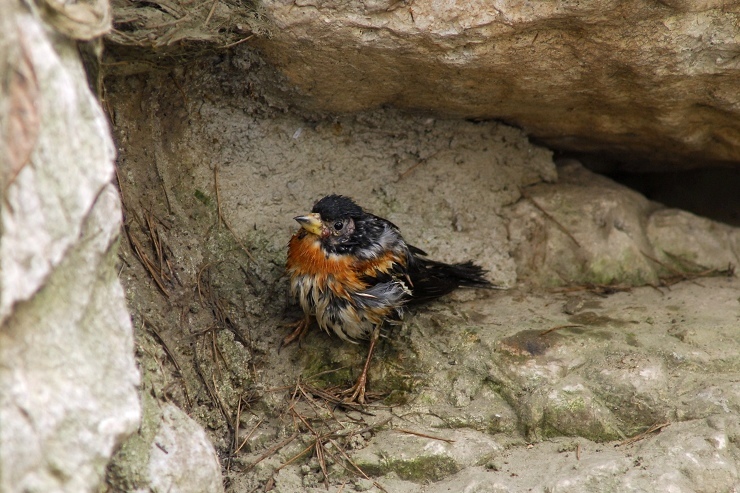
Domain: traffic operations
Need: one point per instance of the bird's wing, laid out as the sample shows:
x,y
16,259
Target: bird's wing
x,y
430,279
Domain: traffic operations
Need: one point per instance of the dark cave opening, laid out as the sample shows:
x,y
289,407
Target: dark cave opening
x,y
710,192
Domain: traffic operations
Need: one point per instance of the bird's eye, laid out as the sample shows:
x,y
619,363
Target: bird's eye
x,y
338,225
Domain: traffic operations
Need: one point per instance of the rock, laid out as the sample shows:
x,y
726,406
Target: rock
x,y
420,459
363,484
68,378
171,452
46,198
603,374
510,367
648,83
589,229
182,459
677,234
286,480
694,462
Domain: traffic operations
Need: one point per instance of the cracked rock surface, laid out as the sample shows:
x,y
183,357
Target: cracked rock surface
x,y
68,378
648,84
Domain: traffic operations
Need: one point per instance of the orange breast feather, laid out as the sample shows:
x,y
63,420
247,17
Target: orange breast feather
x,y
306,257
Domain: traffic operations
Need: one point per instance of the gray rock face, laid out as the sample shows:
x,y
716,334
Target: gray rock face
x,y
589,229
68,377
656,81
170,452
182,458
684,457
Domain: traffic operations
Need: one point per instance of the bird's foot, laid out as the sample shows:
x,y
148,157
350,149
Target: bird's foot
x,y
299,332
357,393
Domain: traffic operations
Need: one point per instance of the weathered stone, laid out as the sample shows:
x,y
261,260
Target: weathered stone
x,y
702,243
182,458
420,459
687,457
651,83
607,366
51,114
170,452
589,229
637,387
68,377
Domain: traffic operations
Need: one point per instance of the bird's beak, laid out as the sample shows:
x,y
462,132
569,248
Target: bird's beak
x,y
311,223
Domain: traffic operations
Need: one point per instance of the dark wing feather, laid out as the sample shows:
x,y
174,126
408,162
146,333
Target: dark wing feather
x,y
431,279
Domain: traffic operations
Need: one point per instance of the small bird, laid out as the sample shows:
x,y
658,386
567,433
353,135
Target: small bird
x,y
353,273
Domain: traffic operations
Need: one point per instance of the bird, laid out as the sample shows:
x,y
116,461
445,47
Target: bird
x,y
354,274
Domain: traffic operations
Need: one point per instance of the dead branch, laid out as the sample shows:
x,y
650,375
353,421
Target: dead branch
x,y
644,434
424,435
171,356
148,265
272,450
553,329
550,217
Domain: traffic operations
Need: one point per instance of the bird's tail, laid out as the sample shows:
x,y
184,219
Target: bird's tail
x,y
430,279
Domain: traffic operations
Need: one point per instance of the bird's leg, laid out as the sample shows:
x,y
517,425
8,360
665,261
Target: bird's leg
x,y
358,389
300,331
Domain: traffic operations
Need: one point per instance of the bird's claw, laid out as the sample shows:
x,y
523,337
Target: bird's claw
x,y
298,334
357,391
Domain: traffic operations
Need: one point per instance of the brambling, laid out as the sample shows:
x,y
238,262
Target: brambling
x,y
353,273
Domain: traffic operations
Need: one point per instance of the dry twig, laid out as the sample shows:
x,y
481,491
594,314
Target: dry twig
x,y
231,45
210,13
699,271
171,356
553,329
211,388
550,217
416,165
326,431
643,435
597,289
209,298
332,396
424,435
146,262
272,450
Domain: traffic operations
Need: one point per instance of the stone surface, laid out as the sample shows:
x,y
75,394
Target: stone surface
x,y
68,377
51,114
589,229
652,83
635,360
697,459
422,458
170,452
701,242
182,458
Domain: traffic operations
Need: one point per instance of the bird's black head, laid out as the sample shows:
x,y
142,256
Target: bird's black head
x,y
343,227
334,207
333,219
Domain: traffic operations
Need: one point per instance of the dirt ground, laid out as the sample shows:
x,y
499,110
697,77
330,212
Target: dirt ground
x,y
214,164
